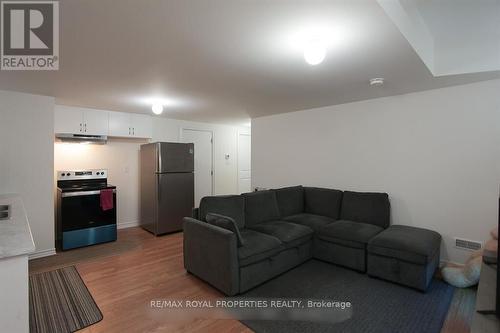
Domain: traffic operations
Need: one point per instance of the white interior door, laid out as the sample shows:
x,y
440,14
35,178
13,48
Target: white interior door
x,y
203,172
244,163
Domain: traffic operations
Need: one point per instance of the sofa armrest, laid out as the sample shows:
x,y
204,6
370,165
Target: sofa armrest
x,y
195,213
211,253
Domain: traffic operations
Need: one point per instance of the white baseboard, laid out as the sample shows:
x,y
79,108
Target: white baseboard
x,y
130,224
42,253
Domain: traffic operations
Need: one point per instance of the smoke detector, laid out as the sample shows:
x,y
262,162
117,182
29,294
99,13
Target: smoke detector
x,y
377,82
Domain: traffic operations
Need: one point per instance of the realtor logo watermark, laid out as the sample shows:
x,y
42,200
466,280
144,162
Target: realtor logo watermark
x,y
29,35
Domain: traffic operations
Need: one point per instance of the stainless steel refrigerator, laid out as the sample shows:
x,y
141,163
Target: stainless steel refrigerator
x,y
167,185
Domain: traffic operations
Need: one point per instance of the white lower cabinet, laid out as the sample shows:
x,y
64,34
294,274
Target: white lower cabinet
x,y
14,282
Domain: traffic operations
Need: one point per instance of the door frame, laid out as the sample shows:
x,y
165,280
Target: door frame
x,y
238,158
181,137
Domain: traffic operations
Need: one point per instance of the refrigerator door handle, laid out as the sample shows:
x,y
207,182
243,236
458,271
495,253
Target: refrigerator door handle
x,y
158,190
158,157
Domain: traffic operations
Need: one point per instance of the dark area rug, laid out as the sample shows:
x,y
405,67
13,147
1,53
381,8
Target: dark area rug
x,y
377,306
60,302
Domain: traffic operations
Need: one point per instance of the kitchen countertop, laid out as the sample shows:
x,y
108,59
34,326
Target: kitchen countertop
x,y
15,233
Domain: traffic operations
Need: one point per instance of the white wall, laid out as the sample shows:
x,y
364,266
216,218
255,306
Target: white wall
x,y
26,160
437,154
121,158
225,142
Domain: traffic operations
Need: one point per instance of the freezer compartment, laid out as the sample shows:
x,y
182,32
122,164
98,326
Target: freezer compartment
x,y
175,157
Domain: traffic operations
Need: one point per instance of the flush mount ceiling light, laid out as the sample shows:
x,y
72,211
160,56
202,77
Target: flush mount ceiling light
x,y
314,37
315,52
157,108
158,103
377,82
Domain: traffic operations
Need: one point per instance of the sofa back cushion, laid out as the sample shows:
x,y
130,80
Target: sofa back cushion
x,y
290,200
260,206
373,208
322,201
228,205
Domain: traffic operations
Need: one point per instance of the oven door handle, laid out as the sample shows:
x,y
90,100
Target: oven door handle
x,y
81,194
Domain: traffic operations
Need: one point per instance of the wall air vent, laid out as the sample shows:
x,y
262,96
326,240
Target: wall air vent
x,y
468,245
4,212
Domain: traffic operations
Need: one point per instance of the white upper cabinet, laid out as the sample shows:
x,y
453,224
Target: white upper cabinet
x,y
71,120
119,124
130,125
67,120
96,122
142,126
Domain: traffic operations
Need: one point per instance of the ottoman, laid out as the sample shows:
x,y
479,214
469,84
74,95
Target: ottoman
x,y
405,255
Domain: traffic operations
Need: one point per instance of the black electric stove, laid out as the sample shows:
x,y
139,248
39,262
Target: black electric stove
x,y
82,220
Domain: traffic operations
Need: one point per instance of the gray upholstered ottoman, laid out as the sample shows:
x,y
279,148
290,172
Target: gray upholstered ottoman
x,y
405,255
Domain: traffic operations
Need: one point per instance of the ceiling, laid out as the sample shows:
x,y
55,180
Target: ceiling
x,y
226,61
451,36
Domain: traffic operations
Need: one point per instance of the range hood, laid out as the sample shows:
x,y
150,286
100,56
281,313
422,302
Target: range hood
x,y
82,138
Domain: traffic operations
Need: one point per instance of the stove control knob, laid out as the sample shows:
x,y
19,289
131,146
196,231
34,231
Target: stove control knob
x,y
63,174
68,174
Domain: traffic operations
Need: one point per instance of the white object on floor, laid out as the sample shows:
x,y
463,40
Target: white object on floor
x,y
466,276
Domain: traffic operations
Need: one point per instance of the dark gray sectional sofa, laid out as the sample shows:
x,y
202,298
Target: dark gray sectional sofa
x,y
253,237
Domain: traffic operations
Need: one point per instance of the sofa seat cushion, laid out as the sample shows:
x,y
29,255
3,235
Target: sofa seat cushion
x,y
322,201
314,222
260,206
290,200
366,207
228,205
290,234
411,244
258,246
349,233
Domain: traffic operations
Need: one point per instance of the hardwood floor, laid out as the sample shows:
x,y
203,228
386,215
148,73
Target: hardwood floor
x,y
124,282
123,277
